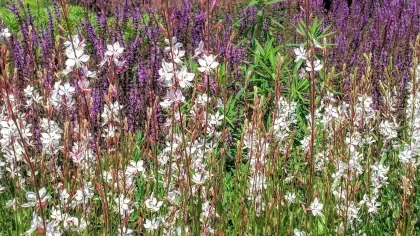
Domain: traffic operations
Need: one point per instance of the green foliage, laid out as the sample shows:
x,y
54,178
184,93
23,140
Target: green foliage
x,y
314,33
257,31
40,13
264,67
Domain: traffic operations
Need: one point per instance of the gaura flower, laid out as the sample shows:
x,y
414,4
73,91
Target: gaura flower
x,y
114,50
76,58
316,207
300,53
207,63
317,65
33,200
153,204
4,34
185,78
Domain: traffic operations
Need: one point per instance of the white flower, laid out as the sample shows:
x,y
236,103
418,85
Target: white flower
x,y
50,142
114,50
388,130
200,177
378,175
216,119
64,196
11,203
88,73
33,200
177,55
4,34
173,96
28,91
123,205
352,212
35,223
297,232
199,49
153,204
111,113
185,78
66,90
56,214
290,197
174,42
75,58
258,182
173,195
74,224
300,53
135,167
151,225
406,156
80,153
125,231
202,99
51,229
37,98
317,65
82,195
207,210
207,63
166,73
316,207
78,45
371,204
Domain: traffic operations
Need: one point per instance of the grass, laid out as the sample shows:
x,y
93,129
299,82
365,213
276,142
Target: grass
x,y
39,9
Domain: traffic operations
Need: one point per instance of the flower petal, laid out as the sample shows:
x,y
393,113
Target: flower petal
x,y
30,196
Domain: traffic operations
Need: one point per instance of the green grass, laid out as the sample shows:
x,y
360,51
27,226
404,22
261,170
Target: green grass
x,y
39,9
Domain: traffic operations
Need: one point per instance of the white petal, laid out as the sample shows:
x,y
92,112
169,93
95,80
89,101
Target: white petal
x,y
120,50
70,62
202,62
214,65
84,58
116,45
30,196
28,204
42,192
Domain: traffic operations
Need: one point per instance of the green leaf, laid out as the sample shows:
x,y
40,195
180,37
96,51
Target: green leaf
x,y
273,1
219,207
